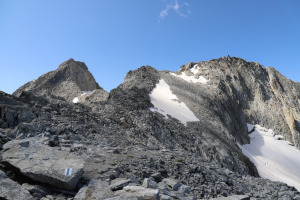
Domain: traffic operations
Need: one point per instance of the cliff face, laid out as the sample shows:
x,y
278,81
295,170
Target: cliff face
x,y
68,81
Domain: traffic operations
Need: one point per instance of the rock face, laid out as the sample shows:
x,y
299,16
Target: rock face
x,y
119,147
249,92
44,164
11,190
68,81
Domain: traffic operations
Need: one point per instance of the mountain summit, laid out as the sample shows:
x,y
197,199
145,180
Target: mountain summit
x,y
70,80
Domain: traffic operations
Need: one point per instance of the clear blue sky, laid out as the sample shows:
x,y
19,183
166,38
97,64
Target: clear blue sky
x,y
115,36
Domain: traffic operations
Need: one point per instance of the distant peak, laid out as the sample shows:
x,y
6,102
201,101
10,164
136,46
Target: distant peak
x,y
71,63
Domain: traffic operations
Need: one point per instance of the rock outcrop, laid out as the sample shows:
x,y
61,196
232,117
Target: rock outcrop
x,y
70,80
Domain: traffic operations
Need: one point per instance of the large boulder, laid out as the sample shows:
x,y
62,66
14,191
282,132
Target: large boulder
x,y
10,190
43,163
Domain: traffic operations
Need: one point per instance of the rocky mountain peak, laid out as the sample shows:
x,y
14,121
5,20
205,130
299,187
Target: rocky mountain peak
x,y
70,80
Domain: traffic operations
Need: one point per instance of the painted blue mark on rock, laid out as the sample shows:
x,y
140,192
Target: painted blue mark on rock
x,y
68,171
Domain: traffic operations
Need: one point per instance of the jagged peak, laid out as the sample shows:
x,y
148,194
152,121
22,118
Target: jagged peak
x,y
71,63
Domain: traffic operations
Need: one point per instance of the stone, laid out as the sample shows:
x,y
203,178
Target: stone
x,y
173,183
139,192
44,164
37,189
150,183
234,197
10,190
157,176
119,183
122,198
184,189
9,116
165,197
96,190
26,117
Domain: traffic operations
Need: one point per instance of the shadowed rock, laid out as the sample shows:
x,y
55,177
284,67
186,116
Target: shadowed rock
x,y
10,190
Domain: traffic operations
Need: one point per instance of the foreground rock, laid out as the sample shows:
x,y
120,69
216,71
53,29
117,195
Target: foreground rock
x,y
10,190
43,163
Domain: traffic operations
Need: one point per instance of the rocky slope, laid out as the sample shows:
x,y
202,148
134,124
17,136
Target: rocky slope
x,y
119,146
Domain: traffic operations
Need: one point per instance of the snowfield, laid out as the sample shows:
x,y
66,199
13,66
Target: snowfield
x,y
274,158
192,78
167,103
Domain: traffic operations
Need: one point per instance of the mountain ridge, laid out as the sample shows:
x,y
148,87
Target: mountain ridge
x,y
115,132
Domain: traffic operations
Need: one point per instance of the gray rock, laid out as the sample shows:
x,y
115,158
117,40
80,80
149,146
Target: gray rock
x,y
150,183
43,163
121,198
37,189
184,189
165,197
119,183
10,119
26,117
139,192
157,176
95,190
234,197
173,183
11,190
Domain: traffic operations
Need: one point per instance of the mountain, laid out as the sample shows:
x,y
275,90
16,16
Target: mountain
x,y
158,135
70,80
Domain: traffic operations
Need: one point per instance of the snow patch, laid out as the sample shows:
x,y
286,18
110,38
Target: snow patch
x,y
274,159
192,78
75,100
195,69
278,137
85,92
167,103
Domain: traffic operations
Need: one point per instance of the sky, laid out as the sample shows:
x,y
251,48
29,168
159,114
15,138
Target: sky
x,y
115,36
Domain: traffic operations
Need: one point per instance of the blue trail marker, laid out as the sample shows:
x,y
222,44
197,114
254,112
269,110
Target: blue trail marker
x,y
68,171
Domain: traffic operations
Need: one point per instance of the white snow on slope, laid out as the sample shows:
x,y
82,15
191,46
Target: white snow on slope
x,y
167,103
85,92
191,78
274,159
75,100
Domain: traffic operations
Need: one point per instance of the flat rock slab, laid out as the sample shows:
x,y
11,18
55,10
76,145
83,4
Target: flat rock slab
x,y
43,163
95,190
139,192
11,190
234,197
118,184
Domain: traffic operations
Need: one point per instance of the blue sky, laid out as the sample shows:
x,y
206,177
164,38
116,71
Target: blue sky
x,y
115,36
